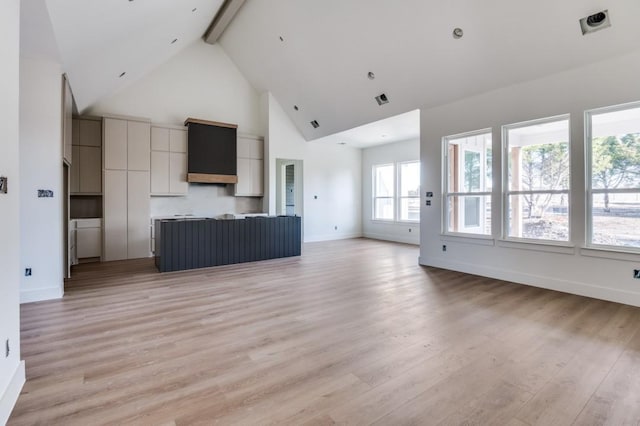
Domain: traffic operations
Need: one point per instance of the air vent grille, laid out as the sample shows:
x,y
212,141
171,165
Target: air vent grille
x,y
315,124
382,99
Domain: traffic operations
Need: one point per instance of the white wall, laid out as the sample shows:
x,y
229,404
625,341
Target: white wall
x,y
200,82
383,154
332,173
571,270
41,168
11,369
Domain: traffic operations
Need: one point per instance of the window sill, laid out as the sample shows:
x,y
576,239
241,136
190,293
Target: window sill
x,y
610,253
548,247
482,240
396,222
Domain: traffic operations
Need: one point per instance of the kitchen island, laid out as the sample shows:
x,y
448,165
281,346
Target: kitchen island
x,y
186,243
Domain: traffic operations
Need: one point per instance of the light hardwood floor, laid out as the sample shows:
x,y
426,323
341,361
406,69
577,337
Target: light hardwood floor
x,y
352,332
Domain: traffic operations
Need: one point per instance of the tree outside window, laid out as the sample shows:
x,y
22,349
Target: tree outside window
x,y
537,191
614,177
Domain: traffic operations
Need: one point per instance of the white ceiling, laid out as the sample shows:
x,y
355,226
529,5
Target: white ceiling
x,y
329,46
398,128
99,40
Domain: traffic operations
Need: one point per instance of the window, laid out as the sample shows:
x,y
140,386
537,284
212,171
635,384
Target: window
x,y
384,192
613,177
409,194
396,196
537,179
467,188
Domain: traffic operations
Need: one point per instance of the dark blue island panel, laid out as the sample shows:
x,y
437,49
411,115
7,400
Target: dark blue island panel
x,y
182,244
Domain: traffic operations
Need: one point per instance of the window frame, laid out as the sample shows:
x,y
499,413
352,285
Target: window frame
x,y
374,191
399,197
446,195
507,192
590,190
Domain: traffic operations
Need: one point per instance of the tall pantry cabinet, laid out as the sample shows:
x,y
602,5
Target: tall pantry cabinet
x,y
127,144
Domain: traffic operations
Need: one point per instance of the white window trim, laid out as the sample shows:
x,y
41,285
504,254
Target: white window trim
x,y
396,194
374,180
400,197
593,249
546,245
445,187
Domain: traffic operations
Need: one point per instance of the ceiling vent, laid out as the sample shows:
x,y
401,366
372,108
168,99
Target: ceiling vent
x,y
382,99
315,124
595,22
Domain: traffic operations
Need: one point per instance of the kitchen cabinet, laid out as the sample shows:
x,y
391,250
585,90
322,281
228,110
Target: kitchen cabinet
x,y
138,212
86,171
115,146
250,166
115,215
88,238
67,122
168,161
74,178
138,146
127,148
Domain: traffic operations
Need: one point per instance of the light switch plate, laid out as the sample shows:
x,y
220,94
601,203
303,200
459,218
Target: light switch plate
x,y
3,185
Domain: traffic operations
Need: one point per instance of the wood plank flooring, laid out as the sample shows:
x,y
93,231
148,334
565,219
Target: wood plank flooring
x,y
351,332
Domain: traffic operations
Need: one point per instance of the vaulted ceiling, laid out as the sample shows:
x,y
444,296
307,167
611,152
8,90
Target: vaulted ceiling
x,y
316,54
100,40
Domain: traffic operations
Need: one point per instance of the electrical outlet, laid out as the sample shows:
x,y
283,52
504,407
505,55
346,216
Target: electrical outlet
x,y
335,227
3,184
27,272
636,274
409,229
7,349
444,247
427,203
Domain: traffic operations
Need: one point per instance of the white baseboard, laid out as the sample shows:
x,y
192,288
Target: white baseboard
x,y
11,394
331,237
41,294
551,283
413,239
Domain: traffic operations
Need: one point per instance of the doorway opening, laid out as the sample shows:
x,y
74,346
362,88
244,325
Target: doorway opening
x,y
289,193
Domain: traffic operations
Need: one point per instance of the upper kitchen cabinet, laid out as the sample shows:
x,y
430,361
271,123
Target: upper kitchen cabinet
x,y
168,161
250,164
86,170
67,122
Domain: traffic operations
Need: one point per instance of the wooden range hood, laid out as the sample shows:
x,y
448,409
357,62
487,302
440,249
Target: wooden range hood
x,y
212,151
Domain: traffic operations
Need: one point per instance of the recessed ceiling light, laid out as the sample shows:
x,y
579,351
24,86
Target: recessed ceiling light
x,y
122,75
457,33
296,107
384,135
371,75
281,38
194,9
315,124
174,40
342,143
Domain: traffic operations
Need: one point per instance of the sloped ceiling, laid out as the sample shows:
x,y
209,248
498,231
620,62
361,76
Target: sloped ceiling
x,y
316,54
98,40
393,129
